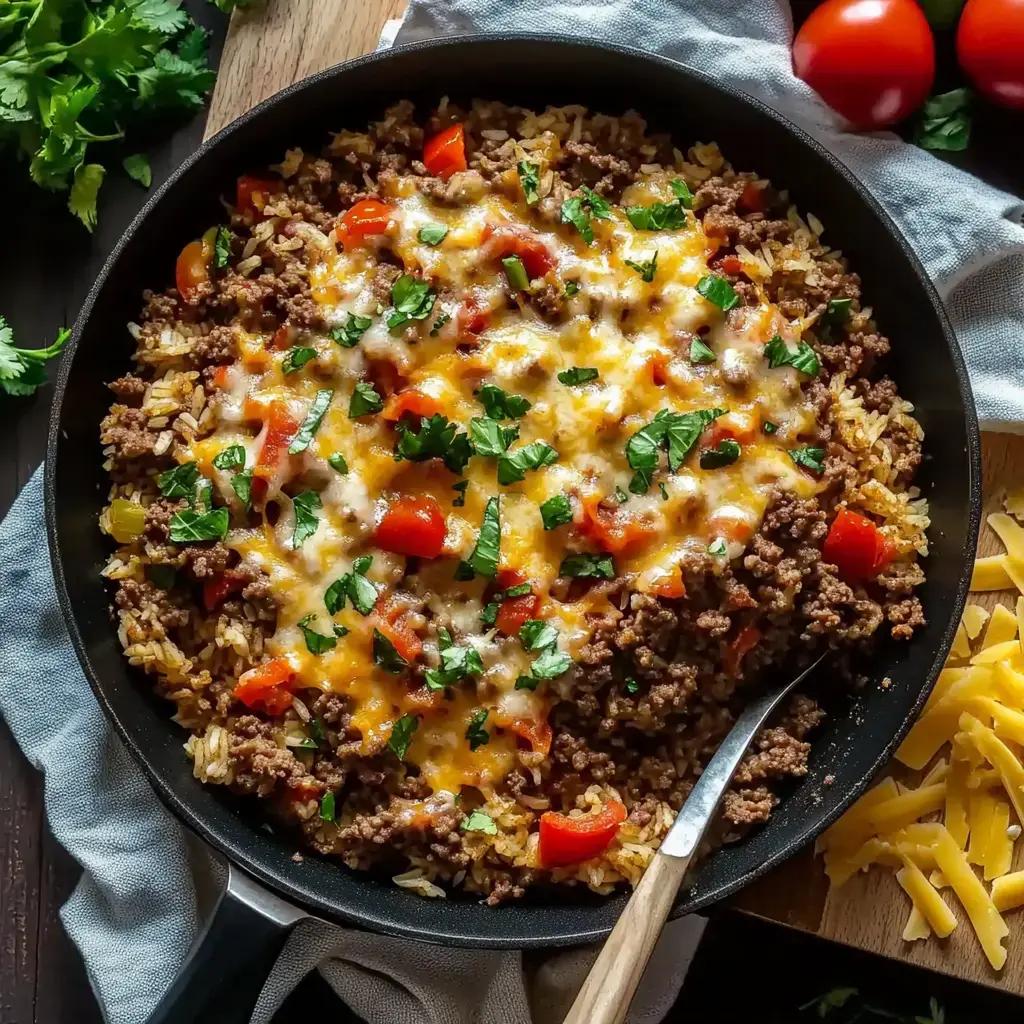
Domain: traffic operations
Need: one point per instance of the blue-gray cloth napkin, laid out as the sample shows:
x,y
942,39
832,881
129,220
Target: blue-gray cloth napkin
x,y
138,893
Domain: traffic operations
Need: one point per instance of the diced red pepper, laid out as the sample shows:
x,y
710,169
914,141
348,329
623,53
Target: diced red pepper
x,y
282,337
445,152
509,241
731,265
218,587
658,364
537,734
411,402
516,610
471,320
746,640
367,217
752,198
265,687
856,546
412,526
247,186
220,377
614,531
393,622
281,427
192,269
567,840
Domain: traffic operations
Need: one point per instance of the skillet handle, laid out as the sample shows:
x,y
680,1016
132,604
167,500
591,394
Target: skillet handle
x,y
230,960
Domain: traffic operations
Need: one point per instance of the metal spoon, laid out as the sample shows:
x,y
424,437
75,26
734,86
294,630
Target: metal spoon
x,y
609,987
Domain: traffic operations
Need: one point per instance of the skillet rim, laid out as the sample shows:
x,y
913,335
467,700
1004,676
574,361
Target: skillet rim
x,y
570,934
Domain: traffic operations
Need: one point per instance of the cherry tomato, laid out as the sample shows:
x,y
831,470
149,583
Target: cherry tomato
x,y
265,687
412,526
412,402
873,61
855,546
508,241
614,530
746,640
990,48
368,217
567,840
516,610
192,269
445,153
247,186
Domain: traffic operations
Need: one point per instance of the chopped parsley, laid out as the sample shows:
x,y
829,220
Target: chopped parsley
x,y
599,567
316,643
837,313
769,428
631,685
179,481
727,452
385,656
221,247
310,425
439,323
944,122
480,821
717,547
809,458
682,193
412,299
499,404
348,335
307,521
489,438
296,357
433,234
621,495
460,488
337,463
21,369
489,616
657,217
434,438
536,635
529,178
515,273
778,353
456,663
477,735
574,213
355,586
241,484
549,664
598,204
484,559
230,458
577,375
327,807
700,353
556,512
513,466
188,525
718,291
401,734
646,269
364,401
679,431
571,289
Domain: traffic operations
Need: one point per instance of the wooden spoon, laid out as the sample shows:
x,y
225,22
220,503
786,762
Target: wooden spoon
x,y
609,987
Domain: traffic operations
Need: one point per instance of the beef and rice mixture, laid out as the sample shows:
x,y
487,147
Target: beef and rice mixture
x,y
476,468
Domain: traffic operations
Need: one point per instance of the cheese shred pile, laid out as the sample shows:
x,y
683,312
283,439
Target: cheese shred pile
x,y
956,831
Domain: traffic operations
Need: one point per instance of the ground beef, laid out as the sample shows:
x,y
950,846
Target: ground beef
x,y
165,607
258,763
129,388
584,163
215,348
127,433
384,278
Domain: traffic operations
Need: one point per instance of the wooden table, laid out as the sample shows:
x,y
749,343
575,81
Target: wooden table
x,y
41,978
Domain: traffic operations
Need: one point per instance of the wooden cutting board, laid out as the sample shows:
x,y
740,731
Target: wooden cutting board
x,y
286,40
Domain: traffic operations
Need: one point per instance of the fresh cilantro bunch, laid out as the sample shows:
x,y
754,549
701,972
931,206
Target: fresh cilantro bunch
x,y
77,73
21,369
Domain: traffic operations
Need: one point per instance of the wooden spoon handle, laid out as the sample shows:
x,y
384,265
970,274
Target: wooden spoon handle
x,y
606,994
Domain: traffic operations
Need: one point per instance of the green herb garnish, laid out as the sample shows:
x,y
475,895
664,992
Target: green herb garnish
x,y
480,821
499,404
476,733
536,635
484,559
21,369
700,353
456,663
307,521
944,122
577,375
355,586
769,428
401,734
679,431
337,463
460,488
657,217
412,299
646,269
513,467
434,438
778,353
230,458
221,247
717,547
439,323
179,481
489,438
364,401
727,452
348,335
385,655
571,289
809,458
327,807
556,512
573,213
297,357
137,168
310,425
241,484
433,234
682,193
316,643
600,567
187,525
718,291
529,178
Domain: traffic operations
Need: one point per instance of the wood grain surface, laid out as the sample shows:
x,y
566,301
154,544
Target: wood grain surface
x,y
293,38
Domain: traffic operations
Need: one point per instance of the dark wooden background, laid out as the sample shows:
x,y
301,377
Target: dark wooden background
x,y
48,267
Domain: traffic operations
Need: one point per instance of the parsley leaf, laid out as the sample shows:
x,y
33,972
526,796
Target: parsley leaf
x,y
412,299
386,656
598,204
337,462
434,438
499,404
529,178
221,247
364,401
647,269
316,643
556,512
550,664
631,685
778,353
439,323
682,193
536,634
477,735
680,430
600,567
513,467
573,213
401,734
489,616
179,481
683,431
137,168
657,217
718,291
327,807
230,458
484,559
480,821
456,663
21,369
571,289
310,425
717,547
577,375
944,122
727,452
355,586
349,333
296,358
769,428
700,353
837,313
241,484
188,525
460,489
809,458
84,189
433,234
489,438
306,519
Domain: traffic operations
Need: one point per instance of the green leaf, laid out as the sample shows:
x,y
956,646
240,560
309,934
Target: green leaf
x,y
489,438
657,217
175,81
187,525
944,122
646,269
700,353
307,521
296,358
310,425
536,635
598,204
529,178
164,16
727,452
362,593
433,234
484,559
718,291
550,664
327,807
769,428
460,489
179,481
222,248
600,567
837,313
21,369
316,643
335,594
682,193
412,299
573,213
456,663
809,458
230,458
480,821
337,463
499,404
556,511
717,547
439,323
621,495
137,168
571,289
680,430
683,432
942,13
241,484
82,201
348,335
515,273
476,733
364,401
401,734
577,375
385,655
434,438
513,467
778,353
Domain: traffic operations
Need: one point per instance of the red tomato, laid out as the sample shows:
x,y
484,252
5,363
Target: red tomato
x,y
445,153
247,185
221,377
614,531
412,402
746,640
192,269
393,622
516,610
565,840
471,320
218,587
752,198
508,241
281,427
265,687
658,364
990,48
669,584
731,265
537,734
368,217
412,526
873,61
855,545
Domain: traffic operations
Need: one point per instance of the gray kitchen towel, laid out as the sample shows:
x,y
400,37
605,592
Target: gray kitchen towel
x,y
138,889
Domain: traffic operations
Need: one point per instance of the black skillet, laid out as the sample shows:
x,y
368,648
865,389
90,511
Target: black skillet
x,y
252,922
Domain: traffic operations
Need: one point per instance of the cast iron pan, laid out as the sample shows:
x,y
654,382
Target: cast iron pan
x,y
851,747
